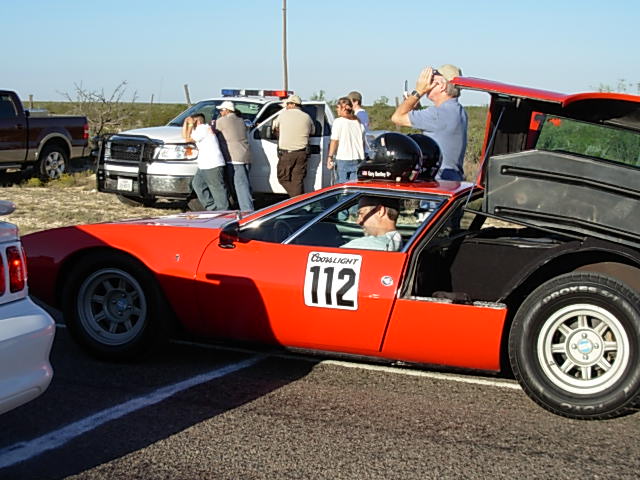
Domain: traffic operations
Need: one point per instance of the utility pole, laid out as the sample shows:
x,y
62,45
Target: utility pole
x,y
284,45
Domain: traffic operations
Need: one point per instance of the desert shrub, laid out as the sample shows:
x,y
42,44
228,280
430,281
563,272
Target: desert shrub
x,y
33,182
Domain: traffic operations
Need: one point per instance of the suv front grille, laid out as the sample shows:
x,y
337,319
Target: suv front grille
x,y
128,151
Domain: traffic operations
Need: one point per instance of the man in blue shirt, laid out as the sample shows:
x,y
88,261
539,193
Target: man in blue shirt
x,y
445,121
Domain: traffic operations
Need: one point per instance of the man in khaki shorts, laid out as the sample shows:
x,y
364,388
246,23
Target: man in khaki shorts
x,y
293,127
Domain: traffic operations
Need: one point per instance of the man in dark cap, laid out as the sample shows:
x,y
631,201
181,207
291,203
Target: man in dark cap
x,y
377,216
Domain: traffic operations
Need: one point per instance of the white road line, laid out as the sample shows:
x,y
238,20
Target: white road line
x,y
22,451
502,383
421,373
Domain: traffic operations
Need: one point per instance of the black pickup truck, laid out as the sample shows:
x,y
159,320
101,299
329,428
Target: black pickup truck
x,y
44,142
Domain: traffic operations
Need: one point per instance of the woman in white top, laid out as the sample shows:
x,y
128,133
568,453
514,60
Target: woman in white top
x,y
346,149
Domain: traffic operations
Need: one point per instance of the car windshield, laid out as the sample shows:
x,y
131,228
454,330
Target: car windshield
x,y
246,110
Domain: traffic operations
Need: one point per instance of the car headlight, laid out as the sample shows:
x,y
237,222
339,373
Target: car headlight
x,y
186,151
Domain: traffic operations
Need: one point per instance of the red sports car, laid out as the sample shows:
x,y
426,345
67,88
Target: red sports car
x,y
534,268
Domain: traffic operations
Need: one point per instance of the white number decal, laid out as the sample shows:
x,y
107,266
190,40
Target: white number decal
x,y
331,280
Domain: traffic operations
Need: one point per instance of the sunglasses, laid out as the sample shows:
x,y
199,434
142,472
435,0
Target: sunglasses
x,y
435,72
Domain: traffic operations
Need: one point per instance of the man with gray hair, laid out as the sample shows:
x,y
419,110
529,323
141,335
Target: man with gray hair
x,y
235,148
445,121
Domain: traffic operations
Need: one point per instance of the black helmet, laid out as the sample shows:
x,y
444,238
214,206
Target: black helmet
x,y
394,157
431,156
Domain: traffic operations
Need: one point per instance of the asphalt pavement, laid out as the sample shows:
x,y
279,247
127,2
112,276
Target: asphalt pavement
x,y
195,411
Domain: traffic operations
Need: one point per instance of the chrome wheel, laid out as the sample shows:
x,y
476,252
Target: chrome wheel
x,y
583,349
112,307
53,164
574,346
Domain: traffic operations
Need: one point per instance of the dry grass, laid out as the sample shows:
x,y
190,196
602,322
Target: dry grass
x,y
69,201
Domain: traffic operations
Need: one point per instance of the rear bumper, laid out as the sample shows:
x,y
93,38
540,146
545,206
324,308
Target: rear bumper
x,y
26,337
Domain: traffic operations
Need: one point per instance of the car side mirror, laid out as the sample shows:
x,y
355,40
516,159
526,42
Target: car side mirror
x,y
229,234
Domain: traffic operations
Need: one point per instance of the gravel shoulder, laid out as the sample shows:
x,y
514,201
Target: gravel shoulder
x,y
44,207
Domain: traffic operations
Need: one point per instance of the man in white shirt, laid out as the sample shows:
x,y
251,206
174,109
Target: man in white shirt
x,y
208,182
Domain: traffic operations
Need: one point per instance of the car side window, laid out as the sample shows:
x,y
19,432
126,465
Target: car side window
x,y
341,227
7,108
277,228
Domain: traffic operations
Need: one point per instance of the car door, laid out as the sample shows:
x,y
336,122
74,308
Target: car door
x,y
264,152
13,132
264,158
288,282
318,176
299,296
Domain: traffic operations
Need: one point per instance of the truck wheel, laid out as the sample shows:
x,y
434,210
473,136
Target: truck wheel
x,y
114,308
574,346
52,162
136,201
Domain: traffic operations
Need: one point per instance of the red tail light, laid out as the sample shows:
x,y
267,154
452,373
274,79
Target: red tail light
x,y
85,131
17,269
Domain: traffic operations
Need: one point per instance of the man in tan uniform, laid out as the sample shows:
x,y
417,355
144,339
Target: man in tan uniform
x,y
293,127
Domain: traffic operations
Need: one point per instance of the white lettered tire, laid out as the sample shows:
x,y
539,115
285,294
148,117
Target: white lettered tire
x,y
574,346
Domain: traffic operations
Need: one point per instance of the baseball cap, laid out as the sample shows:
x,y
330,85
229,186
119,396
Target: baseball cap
x,y
355,96
294,99
226,105
374,201
449,72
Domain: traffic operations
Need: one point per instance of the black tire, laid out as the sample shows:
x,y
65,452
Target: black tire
x,y
53,162
136,201
114,308
574,346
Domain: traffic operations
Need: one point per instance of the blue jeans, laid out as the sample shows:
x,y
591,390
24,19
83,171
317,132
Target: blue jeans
x,y
449,174
346,170
238,178
210,188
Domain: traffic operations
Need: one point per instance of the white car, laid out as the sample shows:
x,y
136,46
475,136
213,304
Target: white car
x,y
26,330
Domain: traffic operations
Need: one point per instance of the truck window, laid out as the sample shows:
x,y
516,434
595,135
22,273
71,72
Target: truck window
x,y
312,111
572,136
7,108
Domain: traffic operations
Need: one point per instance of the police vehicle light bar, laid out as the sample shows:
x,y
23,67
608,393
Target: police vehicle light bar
x,y
235,92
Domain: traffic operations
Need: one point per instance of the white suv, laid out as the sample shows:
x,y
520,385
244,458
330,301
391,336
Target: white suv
x,y
26,330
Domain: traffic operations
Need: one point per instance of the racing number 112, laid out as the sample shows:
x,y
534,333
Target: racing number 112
x,y
331,280
328,292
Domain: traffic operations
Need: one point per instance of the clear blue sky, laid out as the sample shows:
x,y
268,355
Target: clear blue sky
x,y
336,46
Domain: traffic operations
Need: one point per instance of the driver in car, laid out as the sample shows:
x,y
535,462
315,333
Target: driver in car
x,y
377,216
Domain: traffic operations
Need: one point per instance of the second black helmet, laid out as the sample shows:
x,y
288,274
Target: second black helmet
x,y
431,156
393,157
